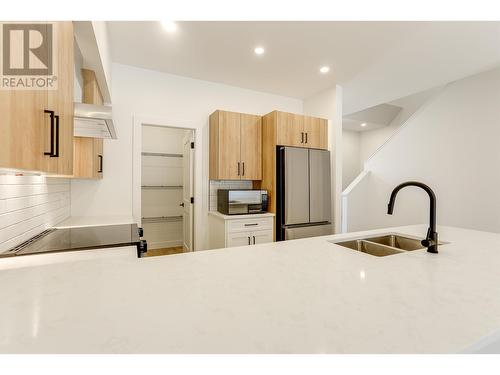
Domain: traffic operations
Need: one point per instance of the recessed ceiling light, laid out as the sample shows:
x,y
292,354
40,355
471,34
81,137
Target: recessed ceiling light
x,y
259,50
169,26
363,124
324,69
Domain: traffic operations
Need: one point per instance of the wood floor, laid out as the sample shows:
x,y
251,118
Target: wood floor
x,y
164,251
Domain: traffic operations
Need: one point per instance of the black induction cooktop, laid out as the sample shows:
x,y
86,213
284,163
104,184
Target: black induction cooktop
x,y
82,238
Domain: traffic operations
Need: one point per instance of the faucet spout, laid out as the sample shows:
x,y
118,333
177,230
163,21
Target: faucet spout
x,y
431,240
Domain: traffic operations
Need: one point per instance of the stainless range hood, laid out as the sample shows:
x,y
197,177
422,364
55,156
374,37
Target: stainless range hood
x,y
95,121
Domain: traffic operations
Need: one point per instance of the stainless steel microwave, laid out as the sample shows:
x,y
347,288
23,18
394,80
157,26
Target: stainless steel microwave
x,y
240,202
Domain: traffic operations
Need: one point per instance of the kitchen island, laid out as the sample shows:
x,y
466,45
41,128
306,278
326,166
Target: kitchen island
x,y
301,296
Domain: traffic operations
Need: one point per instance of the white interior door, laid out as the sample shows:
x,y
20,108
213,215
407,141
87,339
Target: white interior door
x,y
187,191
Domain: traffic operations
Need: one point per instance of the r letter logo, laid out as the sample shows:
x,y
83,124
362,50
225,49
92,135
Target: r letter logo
x,y
27,56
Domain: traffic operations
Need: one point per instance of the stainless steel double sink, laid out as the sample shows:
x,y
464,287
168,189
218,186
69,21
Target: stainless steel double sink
x,y
383,245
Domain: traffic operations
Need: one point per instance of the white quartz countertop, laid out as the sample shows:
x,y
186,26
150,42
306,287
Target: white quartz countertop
x,y
234,217
301,296
94,221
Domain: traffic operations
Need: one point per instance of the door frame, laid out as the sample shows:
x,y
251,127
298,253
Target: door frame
x,y
188,138
167,122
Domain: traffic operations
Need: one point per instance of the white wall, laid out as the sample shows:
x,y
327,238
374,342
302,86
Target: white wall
x,y
328,104
405,70
143,93
452,144
372,140
29,205
351,165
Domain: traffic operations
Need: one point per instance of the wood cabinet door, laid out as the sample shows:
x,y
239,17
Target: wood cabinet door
x,y
24,126
85,158
88,157
290,129
61,99
316,132
228,160
251,147
98,157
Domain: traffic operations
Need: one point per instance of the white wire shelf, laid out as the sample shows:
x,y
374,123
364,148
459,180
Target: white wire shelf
x,y
161,154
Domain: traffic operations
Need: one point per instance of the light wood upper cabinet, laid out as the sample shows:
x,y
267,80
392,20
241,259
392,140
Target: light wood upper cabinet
x,y
37,125
290,129
61,100
251,147
228,160
25,130
299,130
315,132
24,126
235,146
88,157
88,152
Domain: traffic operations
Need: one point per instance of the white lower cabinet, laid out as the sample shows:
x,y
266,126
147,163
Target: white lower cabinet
x,y
238,239
239,230
249,238
262,236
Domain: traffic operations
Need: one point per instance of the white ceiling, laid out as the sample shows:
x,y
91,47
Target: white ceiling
x,y
223,51
355,51
374,117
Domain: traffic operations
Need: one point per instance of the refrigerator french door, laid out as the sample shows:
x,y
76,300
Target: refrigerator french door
x,y
303,204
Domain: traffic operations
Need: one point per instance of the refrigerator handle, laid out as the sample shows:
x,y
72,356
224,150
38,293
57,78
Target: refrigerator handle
x,y
280,194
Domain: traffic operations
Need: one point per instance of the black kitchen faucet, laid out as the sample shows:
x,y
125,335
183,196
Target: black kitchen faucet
x,y
431,241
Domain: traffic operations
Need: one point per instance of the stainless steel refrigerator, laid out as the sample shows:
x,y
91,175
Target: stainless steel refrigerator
x,y
303,198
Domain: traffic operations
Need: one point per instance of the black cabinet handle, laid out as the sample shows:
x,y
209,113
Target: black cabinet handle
x,y
100,164
249,240
302,135
306,137
251,225
253,240
56,154
238,168
243,168
51,152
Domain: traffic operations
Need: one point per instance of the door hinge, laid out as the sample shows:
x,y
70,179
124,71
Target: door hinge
x,y
192,199
192,144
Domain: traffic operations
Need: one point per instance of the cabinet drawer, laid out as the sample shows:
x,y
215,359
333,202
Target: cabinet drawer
x,y
250,224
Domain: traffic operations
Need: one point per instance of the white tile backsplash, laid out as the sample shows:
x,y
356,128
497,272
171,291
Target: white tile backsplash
x,y
223,184
29,205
